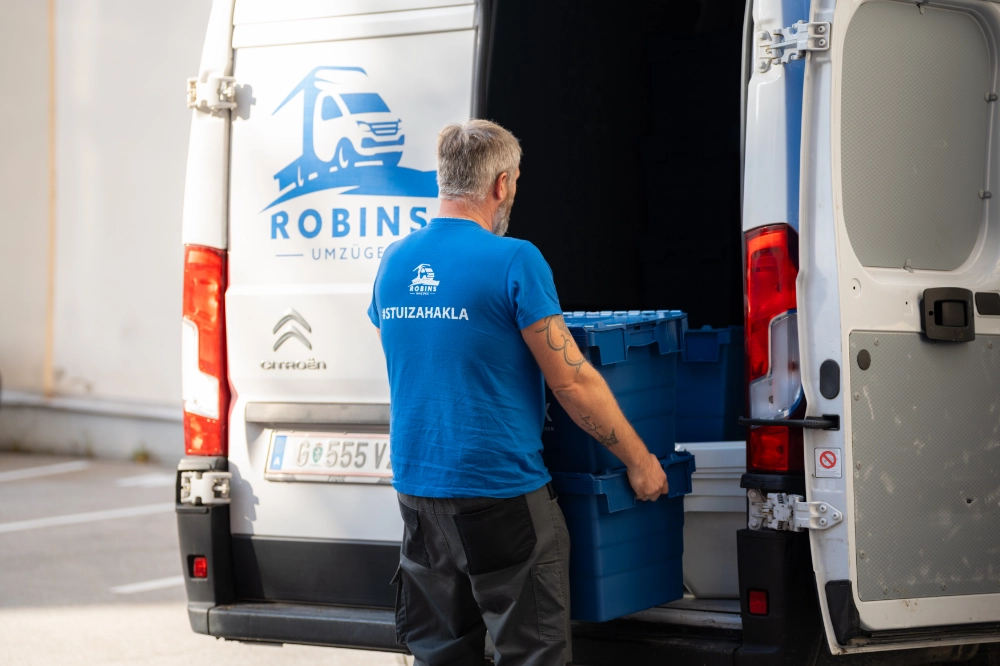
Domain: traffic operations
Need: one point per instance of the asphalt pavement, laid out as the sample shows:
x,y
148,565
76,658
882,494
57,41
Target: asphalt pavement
x,y
90,573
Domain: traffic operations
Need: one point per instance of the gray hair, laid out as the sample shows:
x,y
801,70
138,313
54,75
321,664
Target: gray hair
x,y
471,157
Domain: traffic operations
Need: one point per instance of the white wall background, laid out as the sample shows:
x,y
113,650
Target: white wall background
x,y
24,183
121,147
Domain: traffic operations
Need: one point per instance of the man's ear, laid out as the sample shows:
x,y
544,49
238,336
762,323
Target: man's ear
x,y
501,186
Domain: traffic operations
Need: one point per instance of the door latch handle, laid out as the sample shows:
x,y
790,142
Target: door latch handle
x,y
825,422
947,314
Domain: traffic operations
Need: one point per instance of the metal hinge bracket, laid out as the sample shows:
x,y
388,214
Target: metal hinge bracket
x,y
214,95
779,511
204,488
783,45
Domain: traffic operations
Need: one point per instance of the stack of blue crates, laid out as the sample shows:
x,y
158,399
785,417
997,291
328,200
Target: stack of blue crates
x,y
710,387
626,555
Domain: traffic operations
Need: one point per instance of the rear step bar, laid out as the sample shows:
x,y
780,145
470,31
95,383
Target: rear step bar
x,y
647,637
331,626
375,628
721,614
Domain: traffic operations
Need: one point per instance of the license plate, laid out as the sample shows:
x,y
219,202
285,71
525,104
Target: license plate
x,y
328,457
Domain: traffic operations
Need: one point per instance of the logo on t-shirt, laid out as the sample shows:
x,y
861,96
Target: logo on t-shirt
x,y
424,283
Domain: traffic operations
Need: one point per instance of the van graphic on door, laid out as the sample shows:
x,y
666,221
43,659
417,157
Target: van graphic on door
x,y
351,139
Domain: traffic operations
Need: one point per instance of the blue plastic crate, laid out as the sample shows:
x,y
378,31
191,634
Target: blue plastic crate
x,y
710,387
636,352
625,554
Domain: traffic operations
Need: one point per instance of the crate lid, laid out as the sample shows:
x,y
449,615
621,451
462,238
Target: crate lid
x,y
614,331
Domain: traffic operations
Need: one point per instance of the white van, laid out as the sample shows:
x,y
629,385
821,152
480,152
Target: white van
x,y
845,218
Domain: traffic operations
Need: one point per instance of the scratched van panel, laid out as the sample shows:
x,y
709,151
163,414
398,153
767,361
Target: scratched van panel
x,y
926,451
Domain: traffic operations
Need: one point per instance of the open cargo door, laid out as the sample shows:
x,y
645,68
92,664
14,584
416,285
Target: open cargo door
x,y
898,315
333,159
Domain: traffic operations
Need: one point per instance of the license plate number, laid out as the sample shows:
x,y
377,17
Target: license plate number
x,y
328,457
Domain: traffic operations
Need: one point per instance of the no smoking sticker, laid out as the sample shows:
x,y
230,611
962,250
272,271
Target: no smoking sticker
x,y
828,463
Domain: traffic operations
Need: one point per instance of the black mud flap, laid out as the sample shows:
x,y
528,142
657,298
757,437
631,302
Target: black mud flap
x,y
780,565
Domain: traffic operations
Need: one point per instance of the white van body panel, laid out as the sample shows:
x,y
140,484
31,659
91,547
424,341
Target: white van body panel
x,y
206,185
770,185
357,512
367,26
818,287
347,345
837,295
268,11
307,231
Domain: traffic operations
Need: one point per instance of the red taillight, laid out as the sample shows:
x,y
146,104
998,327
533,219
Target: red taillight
x,y
757,602
772,264
205,386
774,384
199,567
774,449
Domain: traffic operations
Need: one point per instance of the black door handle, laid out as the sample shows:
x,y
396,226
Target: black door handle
x,y
825,422
946,314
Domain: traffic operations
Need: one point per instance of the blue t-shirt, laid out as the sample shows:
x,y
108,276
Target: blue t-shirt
x,y
467,399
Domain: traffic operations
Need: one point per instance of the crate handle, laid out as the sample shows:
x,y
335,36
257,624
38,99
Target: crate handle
x,y
614,489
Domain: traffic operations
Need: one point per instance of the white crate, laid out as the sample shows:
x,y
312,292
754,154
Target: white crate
x,y
713,512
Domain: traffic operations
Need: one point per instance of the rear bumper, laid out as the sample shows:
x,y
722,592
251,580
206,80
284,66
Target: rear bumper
x,y
625,641
332,592
631,640
332,626
337,594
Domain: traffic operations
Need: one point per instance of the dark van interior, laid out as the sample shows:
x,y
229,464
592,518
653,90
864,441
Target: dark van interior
x,y
630,125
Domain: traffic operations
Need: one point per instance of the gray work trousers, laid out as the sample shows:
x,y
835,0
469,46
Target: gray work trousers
x,y
475,564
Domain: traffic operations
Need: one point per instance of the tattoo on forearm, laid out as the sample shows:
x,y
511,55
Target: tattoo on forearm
x,y
559,339
609,441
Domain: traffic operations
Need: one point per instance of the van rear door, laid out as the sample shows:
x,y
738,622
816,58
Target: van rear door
x,y
898,301
333,159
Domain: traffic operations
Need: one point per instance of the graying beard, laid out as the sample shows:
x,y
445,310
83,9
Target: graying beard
x,y
500,227
502,220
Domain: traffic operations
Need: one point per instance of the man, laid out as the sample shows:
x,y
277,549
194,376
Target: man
x,y
467,318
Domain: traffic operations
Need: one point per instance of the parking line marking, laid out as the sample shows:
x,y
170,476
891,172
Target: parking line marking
x,y
149,585
154,480
89,517
44,470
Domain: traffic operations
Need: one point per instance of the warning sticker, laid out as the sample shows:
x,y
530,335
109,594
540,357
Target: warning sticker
x,y
828,463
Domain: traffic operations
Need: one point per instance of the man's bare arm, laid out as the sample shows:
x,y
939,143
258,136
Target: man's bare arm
x,y
586,397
